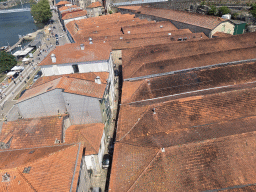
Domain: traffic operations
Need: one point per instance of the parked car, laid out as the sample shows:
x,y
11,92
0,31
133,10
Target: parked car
x,y
106,161
61,36
37,76
57,42
16,75
54,27
57,39
56,35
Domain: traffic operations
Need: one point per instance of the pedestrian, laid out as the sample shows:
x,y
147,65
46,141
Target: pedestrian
x,y
14,82
25,81
13,93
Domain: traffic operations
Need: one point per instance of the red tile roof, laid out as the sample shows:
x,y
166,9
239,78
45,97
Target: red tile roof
x,y
63,3
185,117
220,163
170,57
69,8
122,44
72,53
89,135
69,84
95,4
204,21
221,34
28,133
83,76
183,84
51,168
74,14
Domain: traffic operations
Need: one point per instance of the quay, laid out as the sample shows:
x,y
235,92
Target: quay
x,y
15,45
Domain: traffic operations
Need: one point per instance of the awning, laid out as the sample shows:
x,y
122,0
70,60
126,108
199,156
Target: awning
x,y
17,68
11,73
25,59
23,53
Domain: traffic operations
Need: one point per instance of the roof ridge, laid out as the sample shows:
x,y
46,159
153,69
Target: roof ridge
x,y
143,171
87,141
141,116
26,179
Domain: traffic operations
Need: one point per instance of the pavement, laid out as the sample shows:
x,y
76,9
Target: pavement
x,y
8,110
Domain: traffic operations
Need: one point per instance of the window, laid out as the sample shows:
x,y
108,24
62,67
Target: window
x,y
75,68
229,31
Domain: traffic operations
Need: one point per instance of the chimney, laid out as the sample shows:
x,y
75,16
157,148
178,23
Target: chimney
x,y
97,80
154,111
90,40
53,58
82,46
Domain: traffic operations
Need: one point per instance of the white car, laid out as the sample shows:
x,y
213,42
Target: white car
x,y
61,36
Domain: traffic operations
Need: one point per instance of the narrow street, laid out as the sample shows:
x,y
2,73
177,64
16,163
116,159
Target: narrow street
x,y
8,110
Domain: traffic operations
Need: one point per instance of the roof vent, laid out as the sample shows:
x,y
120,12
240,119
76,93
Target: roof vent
x,y
154,111
97,80
82,46
163,150
121,37
26,170
148,82
56,141
6,177
53,58
161,26
90,40
128,32
169,34
30,152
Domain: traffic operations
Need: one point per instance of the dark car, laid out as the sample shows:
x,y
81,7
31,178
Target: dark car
x,y
57,42
56,35
116,72
106,161
54,27
16,75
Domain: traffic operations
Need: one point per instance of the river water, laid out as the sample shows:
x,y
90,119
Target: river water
x,y
14,24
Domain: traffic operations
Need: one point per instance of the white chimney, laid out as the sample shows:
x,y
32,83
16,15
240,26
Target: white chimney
x,y
97,80
53,58
82,46
90,40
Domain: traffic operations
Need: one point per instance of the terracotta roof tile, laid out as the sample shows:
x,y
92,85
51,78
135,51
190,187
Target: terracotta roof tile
x,y
49,86
74,14
72,7
122,44
147,60
184,116
52,168
213,164
63,3
205,21
183,84
69,84
72,53
221,34
83,76
89,135
28,133
95,4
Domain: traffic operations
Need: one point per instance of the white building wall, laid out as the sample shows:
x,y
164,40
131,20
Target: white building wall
x,y
102,148
61,69
82,109
225,27
73,19
46,104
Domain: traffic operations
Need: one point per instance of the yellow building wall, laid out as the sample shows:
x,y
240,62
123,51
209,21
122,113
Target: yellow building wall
x,y
225,27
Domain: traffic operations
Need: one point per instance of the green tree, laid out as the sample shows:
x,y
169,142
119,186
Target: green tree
x,y
7,61
41,11
213,10
224,10
253,10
